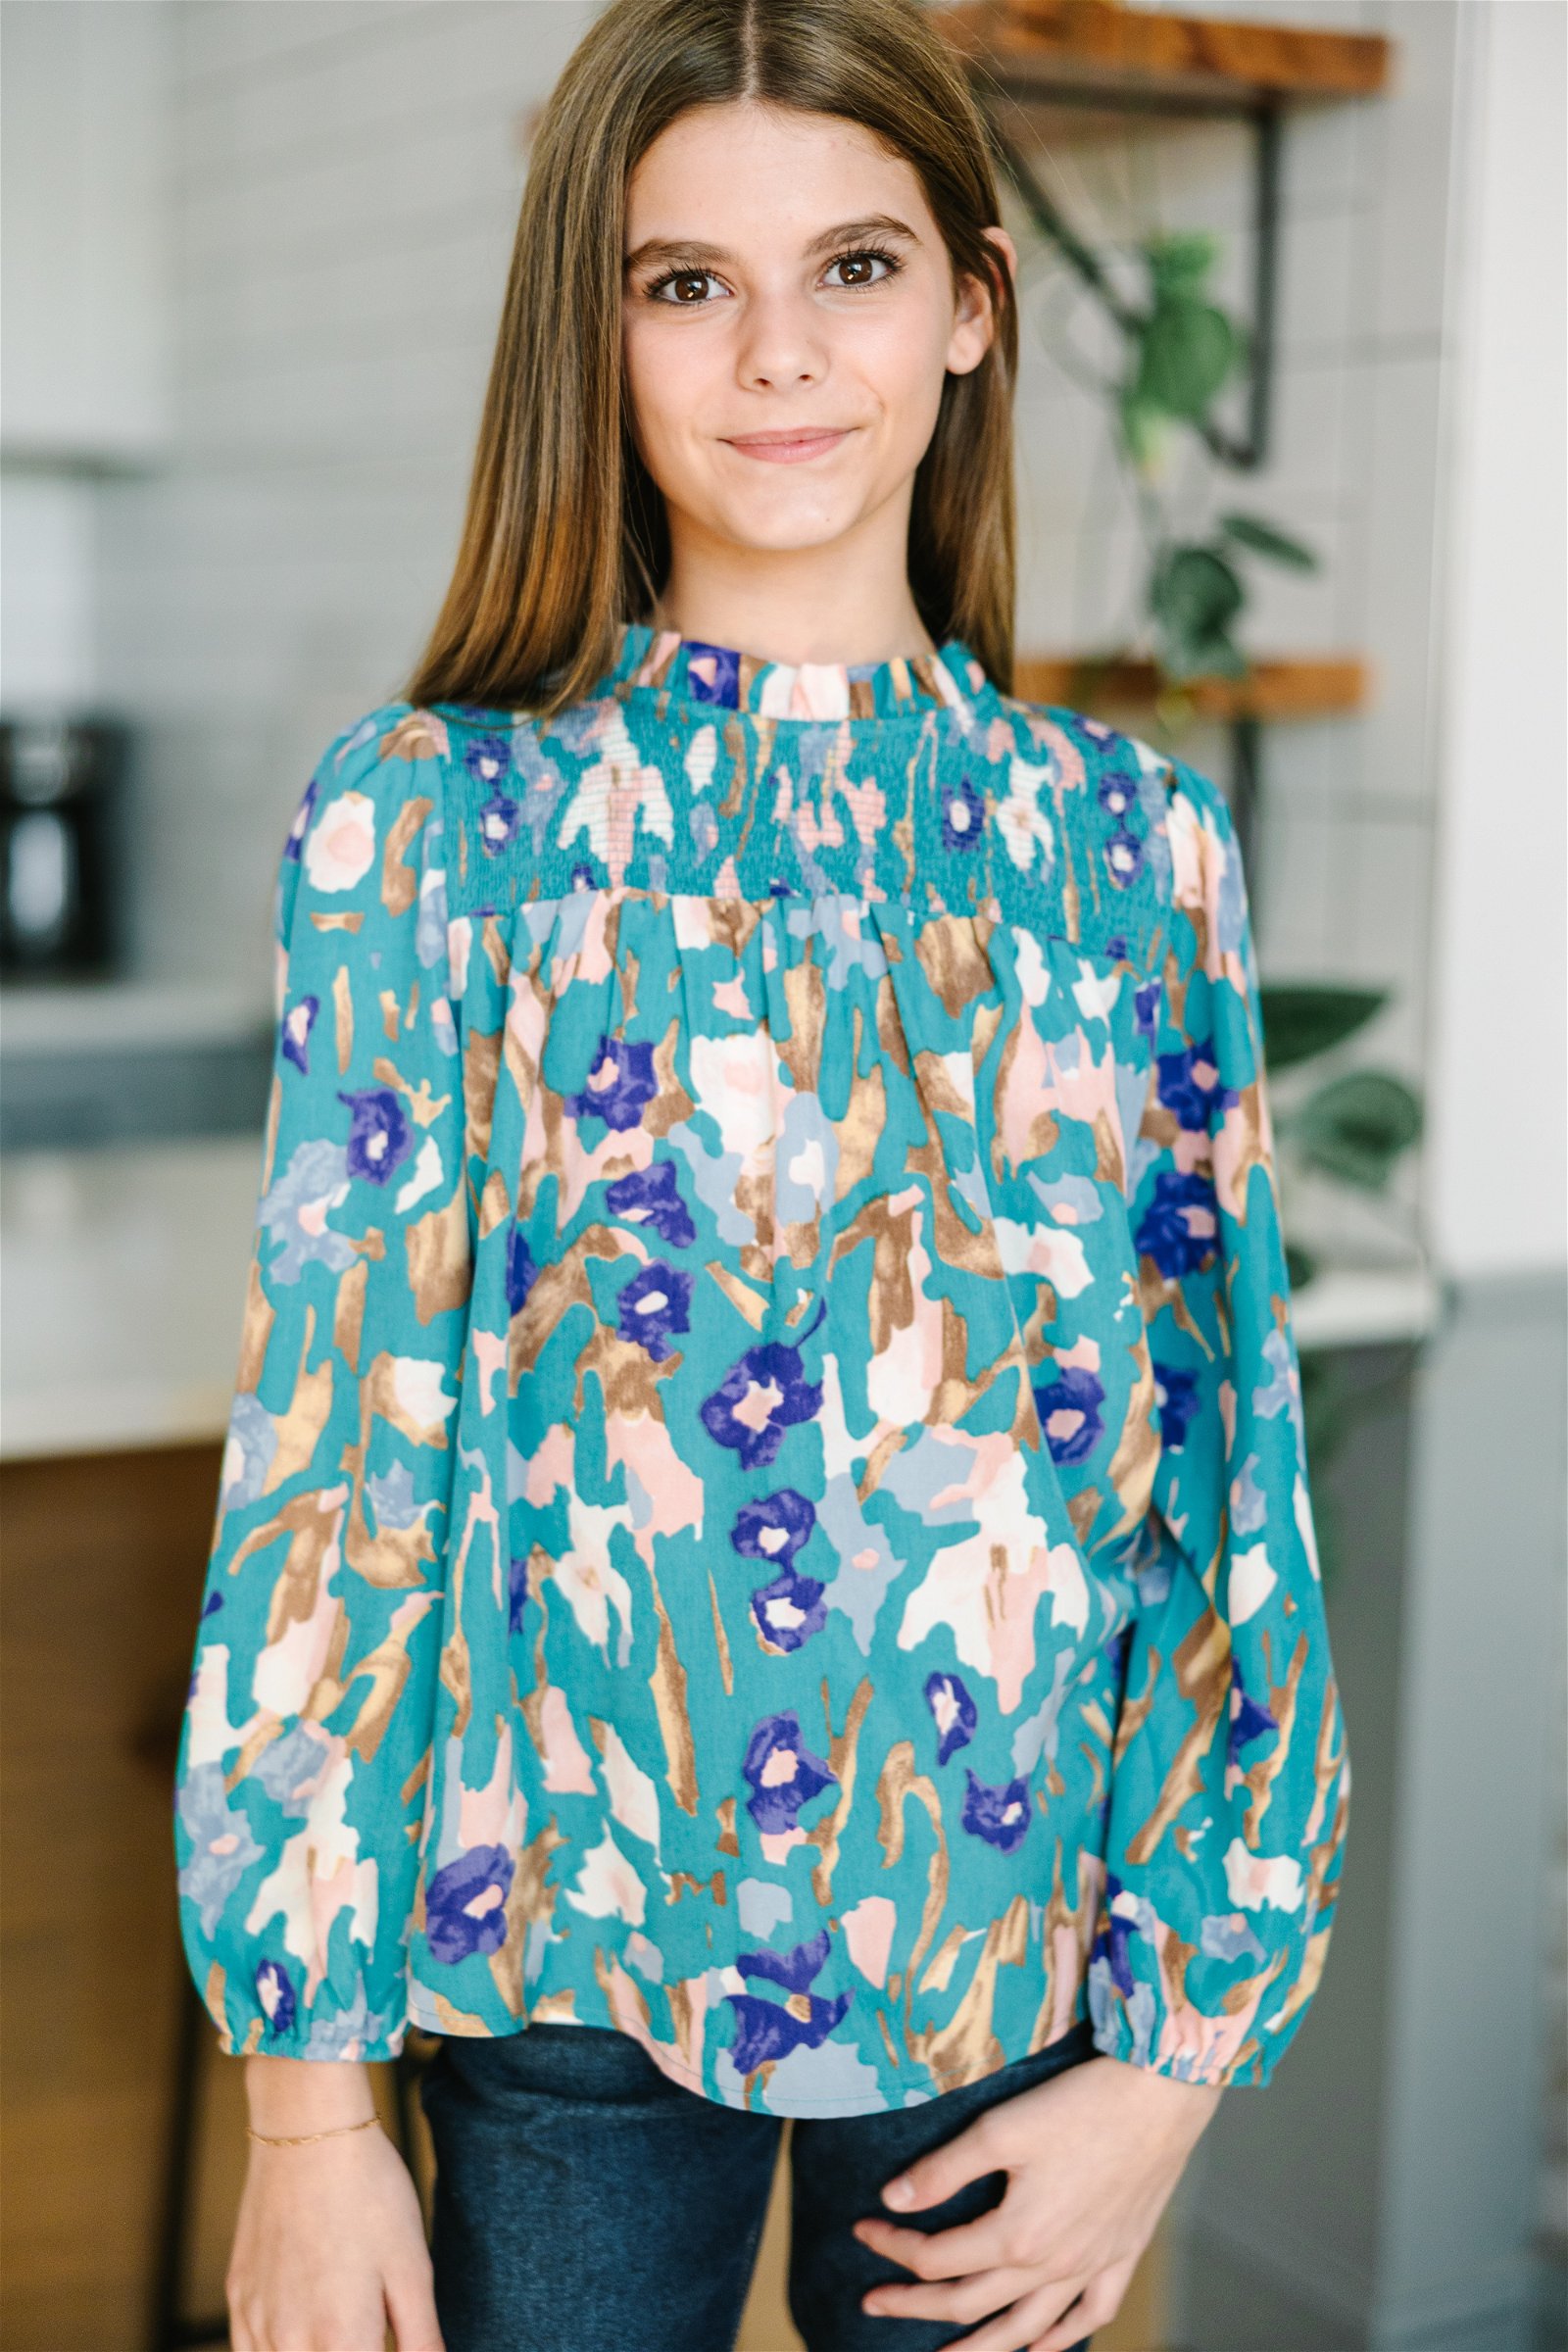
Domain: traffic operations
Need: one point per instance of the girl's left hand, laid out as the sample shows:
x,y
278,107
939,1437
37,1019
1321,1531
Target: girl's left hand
x,y
1091,2157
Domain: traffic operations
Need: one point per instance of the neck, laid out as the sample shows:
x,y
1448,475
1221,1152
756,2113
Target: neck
x,y
847,602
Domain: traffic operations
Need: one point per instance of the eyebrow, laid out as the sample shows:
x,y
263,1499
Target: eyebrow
x,y
691,253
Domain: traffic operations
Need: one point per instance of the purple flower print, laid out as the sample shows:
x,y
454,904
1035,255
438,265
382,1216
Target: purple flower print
x,y
739,1413
773,1528
713,675
768,2030
488,758
629,1085
381,1135
1250,1718
1001,1816
782,1772
1176,1397
302,822
962,815
1123,851
465,1904
1110,1945
789,1610
1069,1413
1178,1228
1124,856
765,2032
583,876
276,1996
794,1969
651,1196
654,1305
521,1272
516,1591
500,821
297,1022
1189,1086
953,1711
1145,1006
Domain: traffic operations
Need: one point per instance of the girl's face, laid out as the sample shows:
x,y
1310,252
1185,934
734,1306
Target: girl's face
x,y
790,313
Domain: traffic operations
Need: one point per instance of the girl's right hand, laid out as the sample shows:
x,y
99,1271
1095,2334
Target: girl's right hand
x,y
330,2249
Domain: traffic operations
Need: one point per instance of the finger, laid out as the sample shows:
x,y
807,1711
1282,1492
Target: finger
x,y
1068,2333
961,2299
239,2334
933,2178
410,2307
1019,2327
986,2244
1096,2307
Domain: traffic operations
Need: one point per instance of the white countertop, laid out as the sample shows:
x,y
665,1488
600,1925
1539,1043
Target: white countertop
x,y
96,1016
123,1277
1365,1307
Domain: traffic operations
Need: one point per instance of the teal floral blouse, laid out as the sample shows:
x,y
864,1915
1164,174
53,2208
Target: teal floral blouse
x,y
766,1503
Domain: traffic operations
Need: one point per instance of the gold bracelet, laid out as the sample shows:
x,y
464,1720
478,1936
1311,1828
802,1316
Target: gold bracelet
x,y
300,2140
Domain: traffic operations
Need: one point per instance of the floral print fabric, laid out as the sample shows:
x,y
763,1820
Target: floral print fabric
x,y
765,1504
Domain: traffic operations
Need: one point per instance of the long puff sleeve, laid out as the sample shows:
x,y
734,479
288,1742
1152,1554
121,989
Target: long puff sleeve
x,y
1230,1782
305,1749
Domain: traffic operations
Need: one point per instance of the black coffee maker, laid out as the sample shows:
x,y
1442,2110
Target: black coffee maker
x,y
62,787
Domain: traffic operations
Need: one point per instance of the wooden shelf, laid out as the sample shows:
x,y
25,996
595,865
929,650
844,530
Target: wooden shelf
x,y
1088,49
1324,687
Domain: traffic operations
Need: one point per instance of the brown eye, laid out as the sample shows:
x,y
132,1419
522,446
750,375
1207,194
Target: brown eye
x,y
860,269
686,286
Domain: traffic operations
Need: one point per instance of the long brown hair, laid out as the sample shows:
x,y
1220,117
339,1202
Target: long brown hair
x,y
564,537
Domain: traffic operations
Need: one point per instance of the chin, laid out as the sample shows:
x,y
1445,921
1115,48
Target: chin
x,y
783,529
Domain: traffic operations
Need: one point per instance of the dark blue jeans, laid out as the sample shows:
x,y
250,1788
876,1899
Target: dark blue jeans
x,y
586,2203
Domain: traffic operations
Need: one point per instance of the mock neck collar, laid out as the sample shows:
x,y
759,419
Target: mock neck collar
x,y
720,678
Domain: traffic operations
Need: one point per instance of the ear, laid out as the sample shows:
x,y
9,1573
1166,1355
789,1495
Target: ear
x,y
974,322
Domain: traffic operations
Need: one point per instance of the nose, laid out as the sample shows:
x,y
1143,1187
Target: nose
x,y
781,345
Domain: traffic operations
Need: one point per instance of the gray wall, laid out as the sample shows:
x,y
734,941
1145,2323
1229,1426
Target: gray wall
x,y
1384,2194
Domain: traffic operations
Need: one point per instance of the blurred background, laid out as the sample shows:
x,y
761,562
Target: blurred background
x,y
1290,465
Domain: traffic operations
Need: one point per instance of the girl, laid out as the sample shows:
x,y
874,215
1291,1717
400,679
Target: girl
x,y
764,1565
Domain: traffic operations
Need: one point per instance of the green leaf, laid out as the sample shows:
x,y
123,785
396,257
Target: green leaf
x,y
1263,539
1194,596
1181,263
1355,1127
1186,351
1300,1265
1303,1018
1202,657
1141,428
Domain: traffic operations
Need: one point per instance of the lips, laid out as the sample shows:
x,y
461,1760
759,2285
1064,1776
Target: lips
x,y
791,445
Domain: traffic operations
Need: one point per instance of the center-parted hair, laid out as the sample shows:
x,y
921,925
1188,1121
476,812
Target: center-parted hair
x,y
564,537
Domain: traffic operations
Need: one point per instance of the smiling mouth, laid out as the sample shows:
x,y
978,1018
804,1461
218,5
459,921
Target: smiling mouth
x,y
790,447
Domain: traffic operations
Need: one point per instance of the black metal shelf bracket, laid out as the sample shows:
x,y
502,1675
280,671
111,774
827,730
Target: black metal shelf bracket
x,y
1246,796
